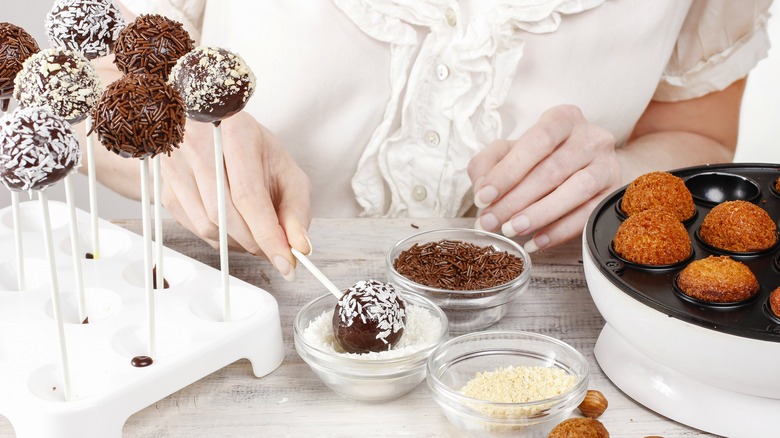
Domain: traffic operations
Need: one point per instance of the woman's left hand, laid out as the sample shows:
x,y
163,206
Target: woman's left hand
x,y
548,181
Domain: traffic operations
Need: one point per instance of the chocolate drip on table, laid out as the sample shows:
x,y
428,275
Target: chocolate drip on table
x,y
141,361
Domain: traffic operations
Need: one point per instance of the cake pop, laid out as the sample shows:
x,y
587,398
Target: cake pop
x,y
370,316
16,45
61,79
151,44
139,116
37,149
214,82
87,26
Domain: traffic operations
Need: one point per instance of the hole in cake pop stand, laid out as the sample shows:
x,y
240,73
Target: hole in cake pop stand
x,y
31,218
35,274
131,341
101,305
46,383
176,272
243,304
188,348
113,243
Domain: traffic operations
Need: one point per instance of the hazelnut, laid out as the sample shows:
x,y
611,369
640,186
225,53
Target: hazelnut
x,y
594,404
579,427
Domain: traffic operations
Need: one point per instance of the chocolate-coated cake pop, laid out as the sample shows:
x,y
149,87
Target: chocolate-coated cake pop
x,y
139,116
370,316
214,82
151,44
37,149
87,26
16,45
63,80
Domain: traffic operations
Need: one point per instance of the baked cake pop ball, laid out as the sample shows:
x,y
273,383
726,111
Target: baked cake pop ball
x,y
718,279
370,316
738,226
86,26
151,44
214,82
37,149
139,116
652,237
658,190
16,45
61,79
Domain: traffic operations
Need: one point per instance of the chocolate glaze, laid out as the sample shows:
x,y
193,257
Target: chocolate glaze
x,y
16,45
151,44
141,361
369,317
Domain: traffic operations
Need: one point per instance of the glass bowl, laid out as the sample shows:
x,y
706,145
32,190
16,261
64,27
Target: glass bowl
x,y
456,362
467,310
368,377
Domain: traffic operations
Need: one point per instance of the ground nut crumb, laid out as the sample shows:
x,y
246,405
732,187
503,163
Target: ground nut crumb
x,y
519,384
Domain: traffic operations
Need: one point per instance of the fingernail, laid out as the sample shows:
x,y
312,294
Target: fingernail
x,y
485,196
478,225
516,226
284,267
306,236
537,243
488,222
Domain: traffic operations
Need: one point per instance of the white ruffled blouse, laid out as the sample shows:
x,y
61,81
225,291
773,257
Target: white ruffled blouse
x,y
384,102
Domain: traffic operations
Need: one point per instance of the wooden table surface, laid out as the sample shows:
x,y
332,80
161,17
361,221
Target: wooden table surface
x,y
292,402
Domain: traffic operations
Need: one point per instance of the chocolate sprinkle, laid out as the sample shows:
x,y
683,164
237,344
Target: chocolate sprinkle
x,y
16,45
456,265
139,116
37,149
63,80
151,44
87,26
214,82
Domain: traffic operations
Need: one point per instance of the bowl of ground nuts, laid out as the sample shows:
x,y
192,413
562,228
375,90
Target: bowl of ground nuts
x,y
472,275
507,383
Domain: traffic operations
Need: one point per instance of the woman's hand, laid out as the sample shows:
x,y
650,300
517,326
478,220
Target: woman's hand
x,y
548,181
268,195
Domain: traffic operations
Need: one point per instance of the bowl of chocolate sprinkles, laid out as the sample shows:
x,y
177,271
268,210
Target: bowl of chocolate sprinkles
x,y
472,275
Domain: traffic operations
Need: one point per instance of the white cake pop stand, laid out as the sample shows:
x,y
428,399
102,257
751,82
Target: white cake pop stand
x,y
192,340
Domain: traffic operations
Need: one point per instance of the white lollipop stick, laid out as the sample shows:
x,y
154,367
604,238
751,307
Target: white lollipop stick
x,y
18,239
93,209
151,336
75,249
55,293
158,232
222,219
317,273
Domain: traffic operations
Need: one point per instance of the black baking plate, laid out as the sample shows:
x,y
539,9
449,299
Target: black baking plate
x,y
654,287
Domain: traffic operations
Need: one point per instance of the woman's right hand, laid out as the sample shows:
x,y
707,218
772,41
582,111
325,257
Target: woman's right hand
x,y
268,195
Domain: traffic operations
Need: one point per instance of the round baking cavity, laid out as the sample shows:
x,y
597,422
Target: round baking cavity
x,y
101,304
131,341
112,243
733,254
658,268
36,272
716,187
31,218
46,383
698,302
773,187
771,315
243,304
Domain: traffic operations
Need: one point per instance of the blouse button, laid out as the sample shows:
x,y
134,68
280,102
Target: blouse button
x,y
442,72
452,19
419,193
432,138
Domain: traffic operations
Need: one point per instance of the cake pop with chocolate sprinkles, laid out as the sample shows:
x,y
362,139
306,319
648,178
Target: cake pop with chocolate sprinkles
x,y
214,82
87,26
370,316
62,79
37,149
139,115
16,45
151,44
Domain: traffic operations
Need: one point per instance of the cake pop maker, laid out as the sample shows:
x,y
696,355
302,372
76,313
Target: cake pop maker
x,y
712,367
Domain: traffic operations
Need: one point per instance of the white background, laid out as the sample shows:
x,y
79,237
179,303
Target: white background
x,y
759,139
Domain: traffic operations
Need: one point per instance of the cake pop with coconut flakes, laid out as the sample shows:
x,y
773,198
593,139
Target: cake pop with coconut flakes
x,y
16,45
214,82
62,79
87,26
37,149
151,44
